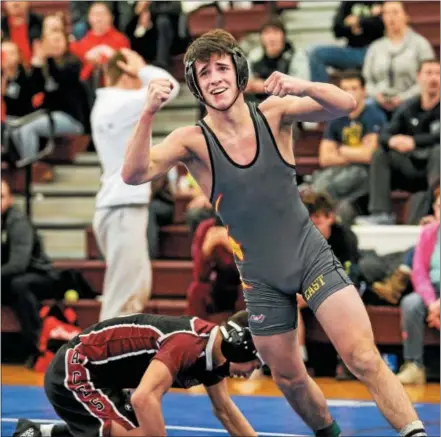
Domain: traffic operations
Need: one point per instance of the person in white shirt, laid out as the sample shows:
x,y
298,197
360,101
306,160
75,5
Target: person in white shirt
x,y
121,215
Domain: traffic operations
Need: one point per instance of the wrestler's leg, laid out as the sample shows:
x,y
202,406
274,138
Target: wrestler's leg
x,y
272,320
354,342
281,352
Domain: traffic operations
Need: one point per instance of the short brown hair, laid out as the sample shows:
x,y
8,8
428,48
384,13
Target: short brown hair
x,y
215,42
317,203
113,71
436,193
352,74
427,61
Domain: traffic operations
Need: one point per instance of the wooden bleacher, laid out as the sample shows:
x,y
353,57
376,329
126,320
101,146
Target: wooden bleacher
x,y
239,22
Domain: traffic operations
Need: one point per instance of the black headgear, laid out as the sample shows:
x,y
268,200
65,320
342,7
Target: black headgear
x,y
237,344
242,74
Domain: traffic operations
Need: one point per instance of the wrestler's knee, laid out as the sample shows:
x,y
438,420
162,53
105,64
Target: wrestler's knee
x,y
362,359
287,367
290,379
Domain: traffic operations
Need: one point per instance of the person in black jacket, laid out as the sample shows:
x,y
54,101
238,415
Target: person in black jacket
x,y
360,23
55,73
154,31
19,89
27,274
409,156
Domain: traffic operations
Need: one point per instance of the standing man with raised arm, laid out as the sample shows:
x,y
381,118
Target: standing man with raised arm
x,y
277,249
121,216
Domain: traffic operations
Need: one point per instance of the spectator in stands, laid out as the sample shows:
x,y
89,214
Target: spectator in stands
x,y
348,144
18,88
423,305
156,31
54,23
142,33
22,27
55,73
360,23
275,53
392,288
343,243
216,286
409,157
27,275
161,212
101,40
392,62
121,215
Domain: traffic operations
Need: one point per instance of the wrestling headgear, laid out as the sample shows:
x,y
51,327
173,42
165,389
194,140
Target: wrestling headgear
x,y
242,74
237,344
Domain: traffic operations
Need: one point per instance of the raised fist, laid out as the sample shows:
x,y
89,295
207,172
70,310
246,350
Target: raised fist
x,y
281,85
158,93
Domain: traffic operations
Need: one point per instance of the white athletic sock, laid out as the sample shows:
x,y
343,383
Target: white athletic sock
x,y
46,430
414,429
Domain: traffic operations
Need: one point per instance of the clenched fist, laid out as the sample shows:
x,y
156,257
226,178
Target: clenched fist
x,y
158,93
281,85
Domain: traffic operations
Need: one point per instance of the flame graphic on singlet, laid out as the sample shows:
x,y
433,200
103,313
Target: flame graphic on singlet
x,y
236,248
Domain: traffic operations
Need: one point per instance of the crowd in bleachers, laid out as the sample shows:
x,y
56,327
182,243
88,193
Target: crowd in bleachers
x,y
52,68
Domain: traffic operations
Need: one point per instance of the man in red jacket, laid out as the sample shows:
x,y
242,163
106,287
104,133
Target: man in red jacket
x,y
100,42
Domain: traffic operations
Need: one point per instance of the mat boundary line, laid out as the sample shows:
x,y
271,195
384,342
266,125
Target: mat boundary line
x,y
170,427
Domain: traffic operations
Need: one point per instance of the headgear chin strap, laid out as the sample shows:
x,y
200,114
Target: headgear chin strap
x,y
242,74
237,344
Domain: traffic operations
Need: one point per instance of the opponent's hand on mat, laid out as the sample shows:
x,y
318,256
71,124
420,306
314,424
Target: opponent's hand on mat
x,y
281,85
158,93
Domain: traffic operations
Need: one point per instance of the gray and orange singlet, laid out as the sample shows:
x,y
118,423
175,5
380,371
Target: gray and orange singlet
x,y
277,249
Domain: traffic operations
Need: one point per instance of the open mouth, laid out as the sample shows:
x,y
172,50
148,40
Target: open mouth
x,y
218,91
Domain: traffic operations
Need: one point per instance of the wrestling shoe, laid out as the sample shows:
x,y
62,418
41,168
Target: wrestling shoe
x,y
26,428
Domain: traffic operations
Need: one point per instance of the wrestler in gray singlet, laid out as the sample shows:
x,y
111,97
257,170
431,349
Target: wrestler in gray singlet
x,y
277,249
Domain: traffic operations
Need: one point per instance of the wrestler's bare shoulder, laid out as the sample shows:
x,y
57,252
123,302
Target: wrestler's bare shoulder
x,y
190,138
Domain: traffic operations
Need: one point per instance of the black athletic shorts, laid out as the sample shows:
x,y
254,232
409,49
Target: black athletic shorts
x,y
87,410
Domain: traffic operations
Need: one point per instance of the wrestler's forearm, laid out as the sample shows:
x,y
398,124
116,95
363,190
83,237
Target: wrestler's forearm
x,y
150,418
332,98
235,422
137,156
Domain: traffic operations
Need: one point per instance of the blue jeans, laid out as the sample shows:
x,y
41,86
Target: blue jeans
x,y
27,137
408,257
342,58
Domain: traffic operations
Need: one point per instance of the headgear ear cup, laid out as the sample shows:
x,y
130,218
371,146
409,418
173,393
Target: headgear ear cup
x,y
237,344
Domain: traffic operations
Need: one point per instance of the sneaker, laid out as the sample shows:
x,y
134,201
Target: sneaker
x,y
411,373
376,219
26,428
394,286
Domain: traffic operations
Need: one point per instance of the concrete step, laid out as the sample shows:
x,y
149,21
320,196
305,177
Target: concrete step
x,y
76,211
72,179
61,243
